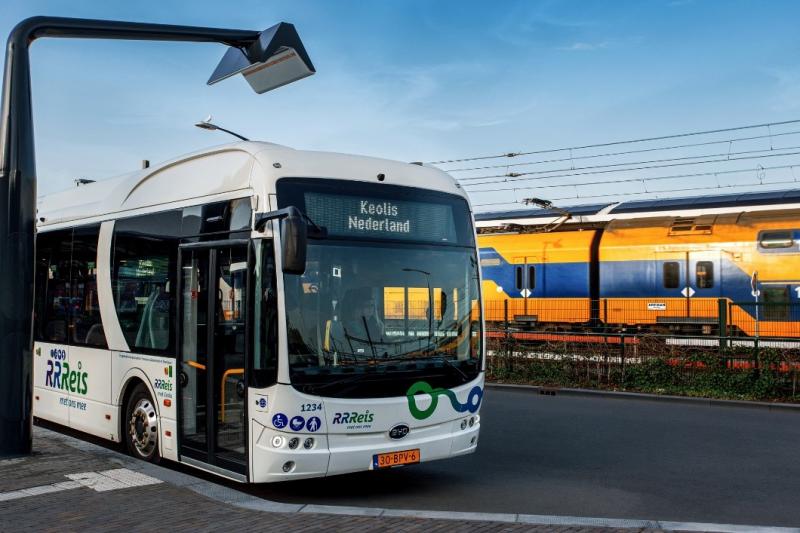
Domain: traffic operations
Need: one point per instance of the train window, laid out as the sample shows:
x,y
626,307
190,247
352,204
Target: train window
x,y
704,272
531,277
672,275
518,277
143,279
776,239
776,303
51,312
86,328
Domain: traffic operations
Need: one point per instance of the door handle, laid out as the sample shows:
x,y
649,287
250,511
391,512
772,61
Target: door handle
x,y
240,388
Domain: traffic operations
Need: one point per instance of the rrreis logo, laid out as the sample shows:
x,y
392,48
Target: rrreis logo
x,y
60,376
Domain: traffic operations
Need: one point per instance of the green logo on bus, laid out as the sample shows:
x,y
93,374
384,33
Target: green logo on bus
x,y
61,376
422,387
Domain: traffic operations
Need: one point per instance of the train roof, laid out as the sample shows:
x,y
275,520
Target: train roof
x,y
686,206
577,210
224,172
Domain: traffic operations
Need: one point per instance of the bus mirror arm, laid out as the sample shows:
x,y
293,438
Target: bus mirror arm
x,y
294,236
314,231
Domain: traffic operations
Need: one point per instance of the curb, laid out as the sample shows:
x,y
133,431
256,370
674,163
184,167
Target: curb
x,y
240,499
642,396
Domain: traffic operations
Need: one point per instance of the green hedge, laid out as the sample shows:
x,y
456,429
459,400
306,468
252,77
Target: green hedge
x,y
711,375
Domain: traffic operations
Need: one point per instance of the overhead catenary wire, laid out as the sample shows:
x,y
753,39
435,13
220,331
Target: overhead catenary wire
x,y
643,180
768,125
626,152
583,171
621,195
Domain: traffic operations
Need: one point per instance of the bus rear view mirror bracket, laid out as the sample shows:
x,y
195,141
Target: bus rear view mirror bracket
x,y
294,237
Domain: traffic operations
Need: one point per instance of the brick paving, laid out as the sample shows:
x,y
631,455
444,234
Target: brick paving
x,y
174,506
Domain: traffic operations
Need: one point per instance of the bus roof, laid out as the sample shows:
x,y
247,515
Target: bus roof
x,y
224,172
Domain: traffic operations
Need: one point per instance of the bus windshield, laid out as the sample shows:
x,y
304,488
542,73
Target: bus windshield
x,y
379,309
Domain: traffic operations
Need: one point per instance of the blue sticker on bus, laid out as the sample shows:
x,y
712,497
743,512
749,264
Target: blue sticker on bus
x,y
313,424
279,420
297,423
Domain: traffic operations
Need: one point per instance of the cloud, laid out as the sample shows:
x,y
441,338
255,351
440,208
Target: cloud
x,y
582,47
785,90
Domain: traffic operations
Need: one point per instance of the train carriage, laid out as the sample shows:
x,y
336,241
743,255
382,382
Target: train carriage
x,y
691,265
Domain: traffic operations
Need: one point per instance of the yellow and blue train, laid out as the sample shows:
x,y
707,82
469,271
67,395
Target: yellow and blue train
x,y
688,264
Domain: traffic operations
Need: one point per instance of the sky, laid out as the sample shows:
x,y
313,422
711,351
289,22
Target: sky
x,y
413,80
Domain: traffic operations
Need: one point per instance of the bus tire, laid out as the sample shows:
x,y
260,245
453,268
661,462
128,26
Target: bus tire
x,y
141,425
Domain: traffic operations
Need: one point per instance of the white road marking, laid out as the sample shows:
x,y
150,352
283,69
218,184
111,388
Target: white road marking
x,y
119,478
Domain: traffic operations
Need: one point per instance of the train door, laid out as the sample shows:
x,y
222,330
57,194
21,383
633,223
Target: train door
x,y
671,276
213,341
703,283
693,279
525,279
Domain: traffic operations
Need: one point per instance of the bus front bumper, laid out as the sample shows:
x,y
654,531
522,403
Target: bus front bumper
x,y
332,454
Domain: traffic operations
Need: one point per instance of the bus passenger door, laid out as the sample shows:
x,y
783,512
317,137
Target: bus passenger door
x,y
213,418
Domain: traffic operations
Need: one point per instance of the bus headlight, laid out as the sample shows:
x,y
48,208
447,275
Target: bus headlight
x,y
288,466
293,443
277,441
464,424
308,443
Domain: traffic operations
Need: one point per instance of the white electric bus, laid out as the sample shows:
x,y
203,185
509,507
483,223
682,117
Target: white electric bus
x,y
263,313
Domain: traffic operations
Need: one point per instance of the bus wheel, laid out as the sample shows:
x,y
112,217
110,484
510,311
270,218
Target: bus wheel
x,y
141,425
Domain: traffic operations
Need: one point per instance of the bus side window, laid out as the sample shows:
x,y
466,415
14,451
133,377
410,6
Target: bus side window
x,y
51,310
86,328
264,370
144,259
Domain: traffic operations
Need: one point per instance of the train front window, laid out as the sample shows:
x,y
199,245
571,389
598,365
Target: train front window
x,y
390,297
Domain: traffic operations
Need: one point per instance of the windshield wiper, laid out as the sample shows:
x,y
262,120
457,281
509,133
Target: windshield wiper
x,y
369,338
320,232
436,357
449,363
344,381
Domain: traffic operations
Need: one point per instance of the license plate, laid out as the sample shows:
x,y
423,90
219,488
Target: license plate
x,y
387,460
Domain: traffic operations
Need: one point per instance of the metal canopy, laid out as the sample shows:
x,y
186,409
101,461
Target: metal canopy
x,y
276,58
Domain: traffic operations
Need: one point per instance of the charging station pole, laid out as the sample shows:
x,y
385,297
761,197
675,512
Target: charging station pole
x,y
248,52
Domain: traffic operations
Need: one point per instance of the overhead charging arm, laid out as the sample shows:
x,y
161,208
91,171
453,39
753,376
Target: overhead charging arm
x,y
255,54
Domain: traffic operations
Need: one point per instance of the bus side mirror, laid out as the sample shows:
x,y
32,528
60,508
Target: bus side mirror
x,y
294,236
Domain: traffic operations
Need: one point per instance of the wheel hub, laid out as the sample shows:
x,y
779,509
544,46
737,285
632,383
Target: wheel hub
x,y
143,427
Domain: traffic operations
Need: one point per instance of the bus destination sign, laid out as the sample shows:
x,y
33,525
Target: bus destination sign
x,y
358,216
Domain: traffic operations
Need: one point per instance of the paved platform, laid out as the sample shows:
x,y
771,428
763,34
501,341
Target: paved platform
x,y
73,485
